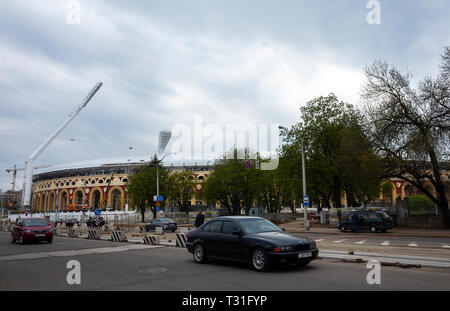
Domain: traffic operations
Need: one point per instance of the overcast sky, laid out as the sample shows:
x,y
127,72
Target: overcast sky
x,y
166,62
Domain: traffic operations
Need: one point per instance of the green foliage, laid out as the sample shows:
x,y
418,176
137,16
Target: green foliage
x,y
180,189
142,185
420,205
338,154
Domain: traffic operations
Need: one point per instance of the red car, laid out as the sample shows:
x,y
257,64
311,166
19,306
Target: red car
x,y
31,229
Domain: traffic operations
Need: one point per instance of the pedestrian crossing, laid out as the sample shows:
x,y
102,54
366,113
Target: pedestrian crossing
x,y
411,244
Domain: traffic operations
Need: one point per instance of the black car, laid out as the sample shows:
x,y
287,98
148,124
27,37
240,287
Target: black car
x,y
166,223
373,221
71,222
253,240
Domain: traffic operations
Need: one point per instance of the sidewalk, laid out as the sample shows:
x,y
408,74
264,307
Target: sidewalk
x,y
297,227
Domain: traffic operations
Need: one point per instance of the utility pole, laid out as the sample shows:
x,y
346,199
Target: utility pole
x,y
305,210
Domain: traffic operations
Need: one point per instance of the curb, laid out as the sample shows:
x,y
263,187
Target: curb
x,y
367,233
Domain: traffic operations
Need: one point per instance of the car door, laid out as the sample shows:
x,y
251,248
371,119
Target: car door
x,y
212,237
230,245
364,221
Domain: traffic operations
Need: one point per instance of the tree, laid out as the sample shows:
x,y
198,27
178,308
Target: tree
x,y
180,189
142,185
231,184
410,128
339,158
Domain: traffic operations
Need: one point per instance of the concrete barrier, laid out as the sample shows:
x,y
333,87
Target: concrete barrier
x,y
159,230
118,236
74,233
181,240
184,229
56,231
94,234
152,240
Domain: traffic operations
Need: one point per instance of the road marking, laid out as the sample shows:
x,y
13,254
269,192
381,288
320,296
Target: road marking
x,y
69,253
446,246
361,242
413,245
319,240
340,241
386,243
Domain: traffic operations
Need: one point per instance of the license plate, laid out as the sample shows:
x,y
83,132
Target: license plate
x,y
304,255
40,235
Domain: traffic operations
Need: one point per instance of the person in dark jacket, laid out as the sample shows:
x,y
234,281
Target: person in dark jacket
x,y
355,222
199,220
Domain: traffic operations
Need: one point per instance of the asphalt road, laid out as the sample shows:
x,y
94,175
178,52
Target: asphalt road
x,y
377,239
43,267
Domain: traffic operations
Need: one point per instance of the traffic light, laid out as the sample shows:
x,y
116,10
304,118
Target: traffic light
x,y
70,197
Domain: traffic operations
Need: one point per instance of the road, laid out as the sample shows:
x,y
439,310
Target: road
x,y
376,239
117,266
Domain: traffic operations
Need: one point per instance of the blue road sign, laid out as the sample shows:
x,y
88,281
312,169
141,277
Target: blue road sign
x,y
158,208
159,198
305,200
56,206
97,212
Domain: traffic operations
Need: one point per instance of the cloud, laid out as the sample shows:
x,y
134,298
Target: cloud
x,y
166,62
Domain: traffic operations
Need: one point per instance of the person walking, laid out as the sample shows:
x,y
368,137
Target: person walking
x,y
199,220
355,221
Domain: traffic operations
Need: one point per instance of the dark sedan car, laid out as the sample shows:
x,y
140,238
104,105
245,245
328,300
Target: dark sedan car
x,y
372,221
31,229
71,222
166,223
249,239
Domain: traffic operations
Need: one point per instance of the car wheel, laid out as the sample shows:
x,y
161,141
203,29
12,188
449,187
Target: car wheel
x,y
13,239
373,229
199,253
260,260
342,228
21,241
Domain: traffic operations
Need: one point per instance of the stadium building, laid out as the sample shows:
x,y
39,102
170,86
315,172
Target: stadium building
x,y
64,186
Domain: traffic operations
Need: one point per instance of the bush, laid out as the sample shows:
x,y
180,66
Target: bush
x,y
421,205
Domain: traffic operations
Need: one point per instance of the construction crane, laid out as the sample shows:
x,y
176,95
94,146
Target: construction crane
x,y
14,170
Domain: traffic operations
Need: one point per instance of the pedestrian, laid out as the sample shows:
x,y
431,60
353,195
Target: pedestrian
x,y
355,221
199,220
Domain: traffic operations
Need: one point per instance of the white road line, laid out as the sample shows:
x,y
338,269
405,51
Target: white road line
x,y
386,243
319,240
361,242
446,246
69,253
413,245
340,241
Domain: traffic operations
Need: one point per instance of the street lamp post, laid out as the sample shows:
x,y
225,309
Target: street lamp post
x,y
305,210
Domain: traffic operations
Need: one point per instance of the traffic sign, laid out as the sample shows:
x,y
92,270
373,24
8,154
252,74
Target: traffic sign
x,y
158,203
97,212
157,198
247,164
305,200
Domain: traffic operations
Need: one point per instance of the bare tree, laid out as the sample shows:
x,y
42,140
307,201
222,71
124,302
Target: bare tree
x,y
410,128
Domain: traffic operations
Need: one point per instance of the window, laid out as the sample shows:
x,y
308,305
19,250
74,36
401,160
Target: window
x,y
373,216
229,227
213,227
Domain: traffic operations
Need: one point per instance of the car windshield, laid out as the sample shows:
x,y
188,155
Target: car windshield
x,y
34,223
258,225
385,216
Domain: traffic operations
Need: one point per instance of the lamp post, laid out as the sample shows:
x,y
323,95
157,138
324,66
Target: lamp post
x,y
305,210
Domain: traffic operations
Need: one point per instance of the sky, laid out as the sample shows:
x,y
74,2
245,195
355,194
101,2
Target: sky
x,y
169,62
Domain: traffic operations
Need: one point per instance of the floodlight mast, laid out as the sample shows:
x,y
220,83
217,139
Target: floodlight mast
x,y
38,151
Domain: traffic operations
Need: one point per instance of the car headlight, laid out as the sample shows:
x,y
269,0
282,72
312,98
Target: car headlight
x,y
28,231
286,248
